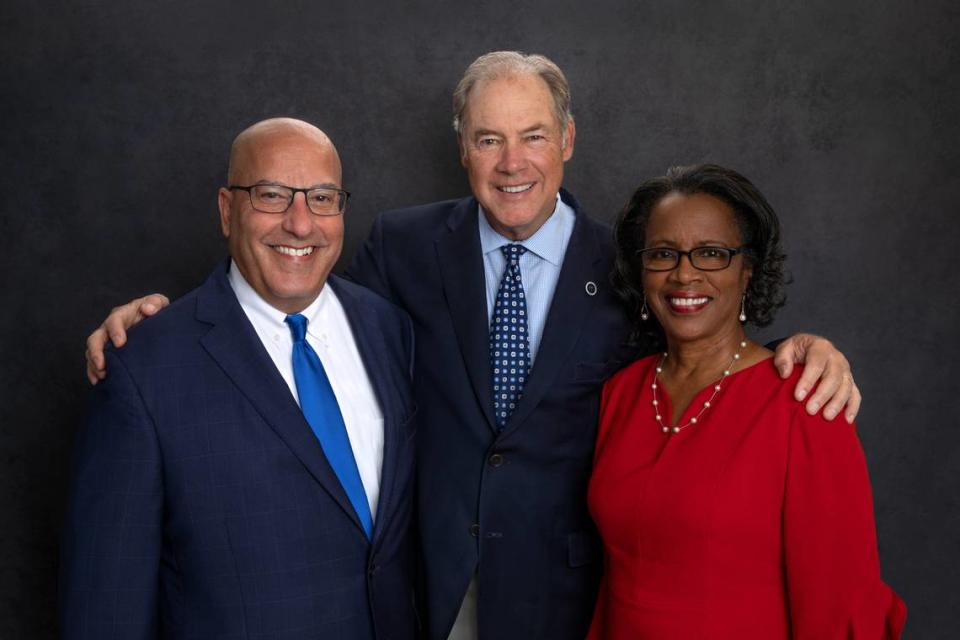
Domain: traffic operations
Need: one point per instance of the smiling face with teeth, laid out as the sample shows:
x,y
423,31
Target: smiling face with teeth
x,y
286,257
513,149
690,304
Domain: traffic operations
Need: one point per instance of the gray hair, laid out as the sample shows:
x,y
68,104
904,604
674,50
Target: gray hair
x,y
503,64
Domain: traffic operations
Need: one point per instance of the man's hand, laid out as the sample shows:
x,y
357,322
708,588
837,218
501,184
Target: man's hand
x,y
114,329
826,364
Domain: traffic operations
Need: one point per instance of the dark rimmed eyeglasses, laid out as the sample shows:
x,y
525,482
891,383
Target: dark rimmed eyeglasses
x,y
702,258
277,198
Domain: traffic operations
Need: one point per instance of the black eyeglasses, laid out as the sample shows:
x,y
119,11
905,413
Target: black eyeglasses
x,y
277,198
702,258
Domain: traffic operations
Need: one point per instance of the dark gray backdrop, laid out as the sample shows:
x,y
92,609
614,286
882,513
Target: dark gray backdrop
x,y
117,116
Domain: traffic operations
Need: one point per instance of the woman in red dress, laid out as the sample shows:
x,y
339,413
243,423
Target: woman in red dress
x,y
726,511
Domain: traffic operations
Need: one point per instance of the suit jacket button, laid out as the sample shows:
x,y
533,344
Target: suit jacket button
x,y
475,530
495,460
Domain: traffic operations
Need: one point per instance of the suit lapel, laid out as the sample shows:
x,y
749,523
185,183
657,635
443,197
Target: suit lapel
x,y
461,270
233,343
373,350
568,311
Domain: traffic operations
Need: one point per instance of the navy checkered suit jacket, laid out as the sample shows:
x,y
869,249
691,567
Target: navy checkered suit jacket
x,y
202,505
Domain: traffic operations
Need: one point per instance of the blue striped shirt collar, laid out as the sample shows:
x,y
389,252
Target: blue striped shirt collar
x,y
549,242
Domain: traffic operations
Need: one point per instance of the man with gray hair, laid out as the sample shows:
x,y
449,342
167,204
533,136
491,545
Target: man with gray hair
x,y
516,329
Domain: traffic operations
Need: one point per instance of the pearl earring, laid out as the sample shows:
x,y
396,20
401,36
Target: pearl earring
x,y
644,312
743,308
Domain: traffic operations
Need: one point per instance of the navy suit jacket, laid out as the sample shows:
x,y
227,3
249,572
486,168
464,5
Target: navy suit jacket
x,y
202,505
509,505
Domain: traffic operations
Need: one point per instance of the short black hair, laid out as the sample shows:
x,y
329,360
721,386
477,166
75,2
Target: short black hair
x,y
759,228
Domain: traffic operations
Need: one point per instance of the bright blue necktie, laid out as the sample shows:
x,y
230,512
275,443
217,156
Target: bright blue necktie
x,y
319,406
509,347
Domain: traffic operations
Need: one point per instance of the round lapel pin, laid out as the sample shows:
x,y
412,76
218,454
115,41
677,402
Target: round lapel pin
x,y
590,288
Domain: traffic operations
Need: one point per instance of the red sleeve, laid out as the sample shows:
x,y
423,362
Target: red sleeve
x,y
599,624
832,566
603,422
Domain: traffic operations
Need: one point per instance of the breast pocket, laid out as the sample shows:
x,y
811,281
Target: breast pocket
x,y
595,371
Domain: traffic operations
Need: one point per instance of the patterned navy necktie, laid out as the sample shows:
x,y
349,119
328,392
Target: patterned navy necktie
x,y
509,345
319,406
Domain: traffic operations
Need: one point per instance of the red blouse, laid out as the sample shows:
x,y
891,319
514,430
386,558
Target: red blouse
x,y
757,522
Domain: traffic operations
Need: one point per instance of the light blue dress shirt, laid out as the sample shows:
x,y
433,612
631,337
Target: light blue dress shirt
x,y
539,266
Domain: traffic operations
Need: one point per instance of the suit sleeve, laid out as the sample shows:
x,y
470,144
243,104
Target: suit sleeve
x,y
369,267
110,553
832,564
411,338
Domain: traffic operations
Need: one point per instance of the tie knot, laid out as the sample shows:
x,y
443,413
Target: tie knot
x,y
298,326
513,251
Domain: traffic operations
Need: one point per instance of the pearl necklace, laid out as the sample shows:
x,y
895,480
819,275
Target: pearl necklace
x,y
706,405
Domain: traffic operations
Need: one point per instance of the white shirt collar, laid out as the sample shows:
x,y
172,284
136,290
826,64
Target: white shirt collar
x,y
263,314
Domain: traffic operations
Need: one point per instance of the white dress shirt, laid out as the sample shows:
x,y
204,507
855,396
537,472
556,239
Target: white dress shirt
x,y
329,333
